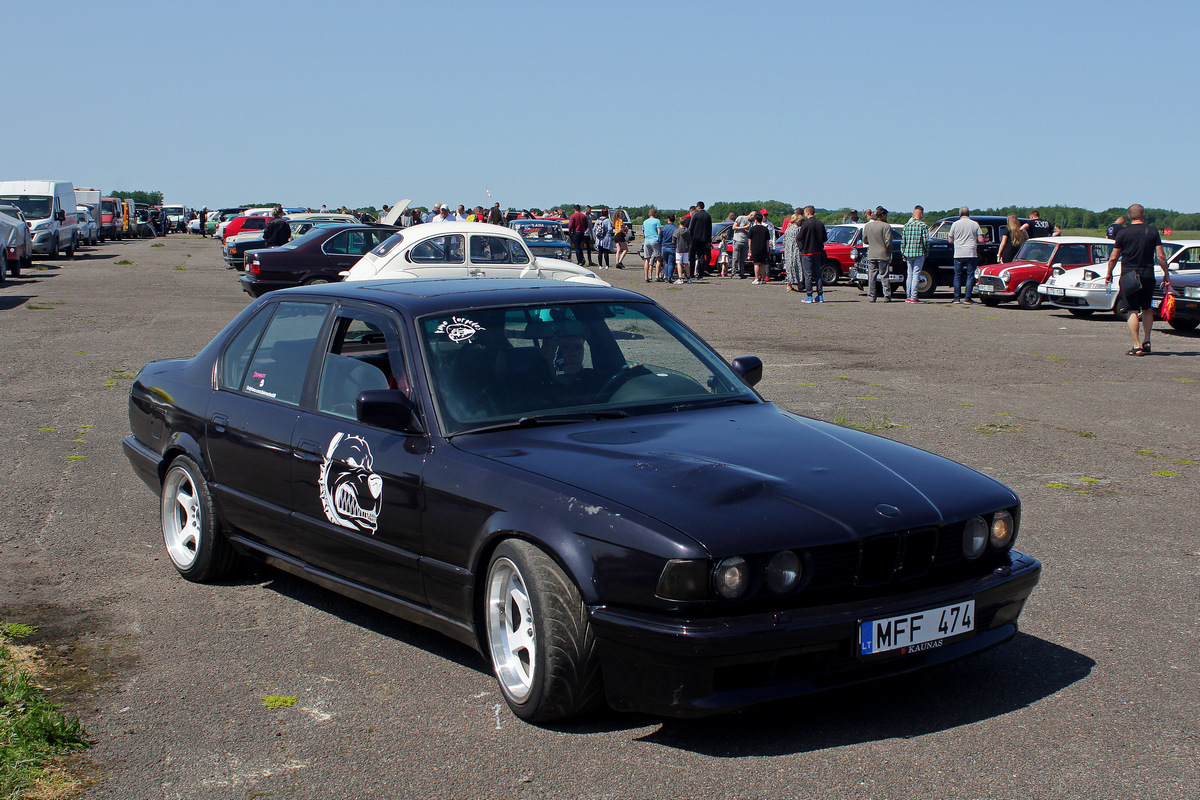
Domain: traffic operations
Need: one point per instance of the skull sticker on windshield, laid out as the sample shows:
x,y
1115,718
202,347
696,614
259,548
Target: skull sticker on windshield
x,y
351,492
459,329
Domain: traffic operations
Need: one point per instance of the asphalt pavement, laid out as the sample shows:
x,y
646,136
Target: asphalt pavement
x,y
1097,696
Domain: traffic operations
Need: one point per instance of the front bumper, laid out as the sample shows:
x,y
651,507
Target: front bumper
x,y
695,667
42,242
1071,297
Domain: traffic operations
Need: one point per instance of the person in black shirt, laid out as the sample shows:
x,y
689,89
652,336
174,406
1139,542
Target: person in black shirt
x,y
1115,228
1037,226
1137,247
277,232
700,226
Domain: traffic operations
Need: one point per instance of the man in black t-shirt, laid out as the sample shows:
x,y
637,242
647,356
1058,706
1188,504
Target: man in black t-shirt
x,y
700,226
1137,247
1037,226
278,231
1116,227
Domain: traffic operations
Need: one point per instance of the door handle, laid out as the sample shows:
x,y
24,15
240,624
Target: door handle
x,y
219,422
308,450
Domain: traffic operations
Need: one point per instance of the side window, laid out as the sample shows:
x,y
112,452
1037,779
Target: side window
x,y
280,361
1189,260
1100,253
516,252
338,245
386,246
376,238
363,355
359,243
441,250
1072,254
237,353
489,250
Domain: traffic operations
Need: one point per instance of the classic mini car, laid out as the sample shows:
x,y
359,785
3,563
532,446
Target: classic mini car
x,y
1185,286
544,237
463,250
1019,279
570,480
1083,290
939,264
319,256
16,240
237,245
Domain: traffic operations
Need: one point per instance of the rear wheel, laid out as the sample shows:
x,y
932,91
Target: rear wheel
x,y
191,530
317,281
70,251
539,639
926,281
1184,324
1028,297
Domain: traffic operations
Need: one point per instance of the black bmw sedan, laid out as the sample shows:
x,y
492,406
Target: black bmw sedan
x,y
570,480
314,258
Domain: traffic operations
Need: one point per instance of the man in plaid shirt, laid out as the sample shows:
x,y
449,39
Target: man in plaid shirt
x,y
914,246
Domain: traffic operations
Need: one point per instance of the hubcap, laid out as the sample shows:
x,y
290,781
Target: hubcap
x,y
511,629
181,517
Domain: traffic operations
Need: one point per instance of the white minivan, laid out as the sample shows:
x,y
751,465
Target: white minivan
x,y
49,208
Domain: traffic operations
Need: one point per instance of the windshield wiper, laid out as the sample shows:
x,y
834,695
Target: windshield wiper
x,y
549,419
715,401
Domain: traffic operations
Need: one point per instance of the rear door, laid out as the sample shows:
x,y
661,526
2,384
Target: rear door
x,y
261,380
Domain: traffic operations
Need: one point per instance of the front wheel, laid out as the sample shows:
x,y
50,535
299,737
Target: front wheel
x,y
830,272
539,639
1184,324
926,281
1028,297
191,530
70,251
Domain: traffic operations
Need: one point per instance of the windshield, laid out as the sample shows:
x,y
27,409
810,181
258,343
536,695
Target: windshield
x,y
840,234
33,206
499,366
539,230
1040,252
173,211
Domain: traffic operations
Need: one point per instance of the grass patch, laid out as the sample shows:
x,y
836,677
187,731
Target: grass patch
x,y
47,430
1166,473
1187,380
81,352
110,383
1090,480
1185,461
122,375
40,268
158,244
1084,434
869,423
1055,358
32,307
1057,486
280,701
181,268
997,427
1145,452
123,262
74,458
32,729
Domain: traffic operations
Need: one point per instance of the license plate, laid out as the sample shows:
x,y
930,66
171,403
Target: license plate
x,y
1154,303
985,288
921,630
1053,292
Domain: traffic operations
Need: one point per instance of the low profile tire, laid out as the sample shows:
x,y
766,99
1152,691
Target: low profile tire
x,y
539,640
830,273
1184,324
990,302
191,530
1082,312
1028,297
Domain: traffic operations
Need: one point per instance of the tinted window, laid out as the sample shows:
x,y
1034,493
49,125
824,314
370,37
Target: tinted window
x,y
237,354
441,250
338,245
280,362
1072,254
388,243
363,355
1189,259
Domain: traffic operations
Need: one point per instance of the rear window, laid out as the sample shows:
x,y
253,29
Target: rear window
x,y
387,244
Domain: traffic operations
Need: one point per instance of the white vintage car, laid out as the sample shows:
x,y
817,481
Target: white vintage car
x,y
1083,291
462,250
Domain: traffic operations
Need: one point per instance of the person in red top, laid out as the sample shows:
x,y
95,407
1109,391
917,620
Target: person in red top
x,y
578,225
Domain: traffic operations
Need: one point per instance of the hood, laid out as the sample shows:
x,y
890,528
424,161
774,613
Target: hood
x,y
996,269
556,269
395,212
741,474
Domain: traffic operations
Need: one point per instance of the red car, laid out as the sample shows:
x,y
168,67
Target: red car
x,y
1018,279
243,224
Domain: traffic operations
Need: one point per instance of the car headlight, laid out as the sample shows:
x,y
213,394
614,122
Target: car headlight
x,y
41,226
1004,275
1192,292
784,571
975,537
1091,275
1003,531
683,580
731,577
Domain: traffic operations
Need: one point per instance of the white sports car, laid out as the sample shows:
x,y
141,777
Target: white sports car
x,y
1083,291
463,250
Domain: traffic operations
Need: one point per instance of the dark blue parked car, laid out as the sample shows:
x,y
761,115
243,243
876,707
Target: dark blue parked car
x,y
570,480
544,237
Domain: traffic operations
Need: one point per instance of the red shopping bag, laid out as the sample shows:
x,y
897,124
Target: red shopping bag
x,y
1168,306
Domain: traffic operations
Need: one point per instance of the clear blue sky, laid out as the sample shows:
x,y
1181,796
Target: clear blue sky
x,y
834,104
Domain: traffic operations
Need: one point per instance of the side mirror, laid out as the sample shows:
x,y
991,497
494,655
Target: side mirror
x,y
749,369
61,216
388,408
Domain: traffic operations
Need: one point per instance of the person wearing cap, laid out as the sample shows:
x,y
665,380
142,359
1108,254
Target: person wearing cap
x,y
701,230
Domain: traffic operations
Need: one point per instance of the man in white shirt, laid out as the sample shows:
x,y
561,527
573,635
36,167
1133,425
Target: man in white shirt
x,y
966,235
460,215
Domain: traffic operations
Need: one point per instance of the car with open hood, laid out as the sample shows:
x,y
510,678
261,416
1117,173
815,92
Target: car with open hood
x,y
463,250
570,480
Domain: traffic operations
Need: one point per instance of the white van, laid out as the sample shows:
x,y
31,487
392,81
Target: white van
x,y
49,208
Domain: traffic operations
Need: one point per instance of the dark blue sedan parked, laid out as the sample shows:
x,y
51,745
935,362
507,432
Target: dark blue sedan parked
x,y
570,480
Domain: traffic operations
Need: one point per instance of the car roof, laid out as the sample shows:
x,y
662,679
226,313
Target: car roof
x,y
421,296
1071,239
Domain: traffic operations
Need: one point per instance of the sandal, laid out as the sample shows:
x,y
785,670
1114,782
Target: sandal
x,y
793,287
1146,348
1135,351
